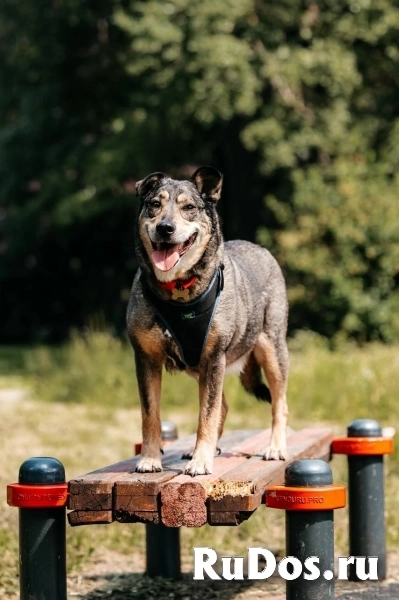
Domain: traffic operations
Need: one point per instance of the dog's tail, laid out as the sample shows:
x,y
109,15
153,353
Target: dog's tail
x,y
251,379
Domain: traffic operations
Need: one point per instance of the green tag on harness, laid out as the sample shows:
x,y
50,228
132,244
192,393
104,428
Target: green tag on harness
x,y
189,315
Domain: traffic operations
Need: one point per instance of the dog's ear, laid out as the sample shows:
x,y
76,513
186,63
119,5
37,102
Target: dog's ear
x,y
208,182
147,184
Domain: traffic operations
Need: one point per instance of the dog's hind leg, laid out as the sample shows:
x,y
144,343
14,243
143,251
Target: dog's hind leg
x,y
251,379
211,417
273,357
149,375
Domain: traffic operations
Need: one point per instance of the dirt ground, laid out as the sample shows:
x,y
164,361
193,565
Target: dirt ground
x,y
120,578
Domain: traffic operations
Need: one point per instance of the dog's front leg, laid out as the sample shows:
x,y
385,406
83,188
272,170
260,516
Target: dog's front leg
x,y
149,375
210,391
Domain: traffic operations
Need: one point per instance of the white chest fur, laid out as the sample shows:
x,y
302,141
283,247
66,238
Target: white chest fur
x,y
238,365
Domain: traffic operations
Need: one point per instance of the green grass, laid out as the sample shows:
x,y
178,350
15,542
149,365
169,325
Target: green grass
x,y
84,409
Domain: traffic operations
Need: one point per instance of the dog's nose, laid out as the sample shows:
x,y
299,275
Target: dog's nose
x,y
165,228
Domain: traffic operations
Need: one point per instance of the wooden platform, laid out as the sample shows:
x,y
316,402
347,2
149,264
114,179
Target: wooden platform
x,y
226,497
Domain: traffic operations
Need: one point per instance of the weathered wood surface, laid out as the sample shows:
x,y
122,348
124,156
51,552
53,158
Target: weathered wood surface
x,y
94,491
90,517
307,443
132,494
226,497
235,478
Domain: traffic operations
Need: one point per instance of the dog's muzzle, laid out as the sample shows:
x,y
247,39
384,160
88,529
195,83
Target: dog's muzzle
x,y
167,255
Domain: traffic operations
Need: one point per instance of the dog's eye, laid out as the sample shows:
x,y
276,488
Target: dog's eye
x,y
189,207
155,204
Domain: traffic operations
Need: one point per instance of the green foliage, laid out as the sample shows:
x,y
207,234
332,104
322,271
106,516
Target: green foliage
x,y
63,178
339,247
97,369
193,64
313,86
295,102
82,371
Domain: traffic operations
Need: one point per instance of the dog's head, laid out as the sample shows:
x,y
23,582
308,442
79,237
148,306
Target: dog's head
x,y
177,220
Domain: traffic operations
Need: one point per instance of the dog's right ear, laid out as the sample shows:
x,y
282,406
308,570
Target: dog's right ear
x,y
147,184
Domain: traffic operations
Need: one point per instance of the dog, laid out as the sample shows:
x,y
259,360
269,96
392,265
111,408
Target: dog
x,y
204,306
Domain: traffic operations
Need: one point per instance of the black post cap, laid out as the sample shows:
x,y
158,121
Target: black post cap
x,y
308,472
364,428
41,470
169,431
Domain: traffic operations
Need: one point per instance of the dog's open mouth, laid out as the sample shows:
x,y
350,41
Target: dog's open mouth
x,y
166,256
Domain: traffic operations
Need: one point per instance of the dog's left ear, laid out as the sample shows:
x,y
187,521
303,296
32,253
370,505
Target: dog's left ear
x,y
147,184
208,182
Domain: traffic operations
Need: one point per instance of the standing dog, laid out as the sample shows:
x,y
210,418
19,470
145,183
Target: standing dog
x,y
203,306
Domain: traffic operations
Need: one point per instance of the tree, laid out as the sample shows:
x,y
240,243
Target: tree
x,y
305,92
294,101
62,173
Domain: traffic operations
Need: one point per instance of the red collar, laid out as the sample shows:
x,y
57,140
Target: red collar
x,y
180,284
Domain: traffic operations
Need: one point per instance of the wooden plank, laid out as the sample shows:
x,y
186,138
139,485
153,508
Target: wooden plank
x,y
241,478
229,518
133,493
149,483
131,497
184,504
93,491
138,517
228,496
309,443
98,517
128,504
236,503
181,508
89,517
130,494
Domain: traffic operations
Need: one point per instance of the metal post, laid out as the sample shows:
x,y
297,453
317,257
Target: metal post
x,y
309,498
163,543
365,448
41,496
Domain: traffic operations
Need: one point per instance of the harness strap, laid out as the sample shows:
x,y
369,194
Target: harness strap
x,y
189,322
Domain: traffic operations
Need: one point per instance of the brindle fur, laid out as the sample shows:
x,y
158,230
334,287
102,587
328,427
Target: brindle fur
x,y
248,332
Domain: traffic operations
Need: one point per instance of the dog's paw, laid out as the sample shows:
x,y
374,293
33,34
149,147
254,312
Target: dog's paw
x,y
188,455
199,466
149,465
275,453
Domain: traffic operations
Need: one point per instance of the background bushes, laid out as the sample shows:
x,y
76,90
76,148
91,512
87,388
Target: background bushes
x,y
296,102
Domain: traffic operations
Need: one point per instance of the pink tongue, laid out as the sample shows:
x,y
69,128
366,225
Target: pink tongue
x,y
165,259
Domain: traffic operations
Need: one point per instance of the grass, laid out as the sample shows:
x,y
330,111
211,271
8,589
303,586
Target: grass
x,y
83,408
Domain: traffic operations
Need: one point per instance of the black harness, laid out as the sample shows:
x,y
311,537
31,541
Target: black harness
x,y
189,322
